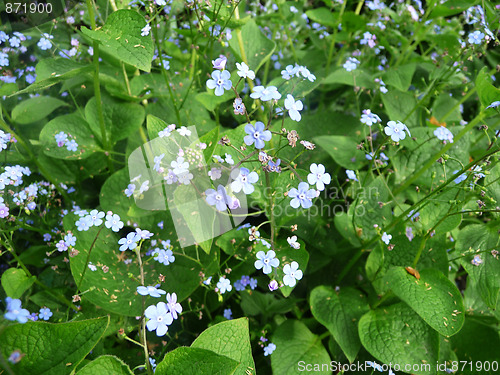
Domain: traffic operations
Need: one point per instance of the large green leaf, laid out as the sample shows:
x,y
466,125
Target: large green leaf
x,y
482,240
196,361
400,77
396,334
323,15
35,109
52,71
51,348
486,91
434,297
15,282
106,365
356,77
121,38
476,344
399,104
230,339
340,313
295,344
257,47
120,119
343,150
77,129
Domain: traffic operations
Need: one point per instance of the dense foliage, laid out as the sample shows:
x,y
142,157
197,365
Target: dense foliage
x,y
230,187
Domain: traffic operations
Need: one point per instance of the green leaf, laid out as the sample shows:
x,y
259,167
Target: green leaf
x,y
396,334
267,304
79,130
295,343
340,313
400,77
52,71
434,297
399,105
230,339
121,38
482,239
323,16
196,361
106,365
476,343
121,120
486,91
356,77
50,348
35,109
154,126
15,282
209,100
343,150
257,47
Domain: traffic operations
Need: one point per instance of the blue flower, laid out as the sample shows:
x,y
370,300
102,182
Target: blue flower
x,y
228,314
70,240
318,176
266,261
164,256
15,311
257,135
443,134
95,218
268,350
351,64
220,81
302,197
239,107
460,178
253,283
150,290
245,181
265,93
4,59
145,30
220,62
173,306
83,224
244,71
72,145
396,130
386,238
224,285
369,118
476,37
494,105
293,107
130,242
218,198
45,313
351,175
159,318
113,221
129,190
292,274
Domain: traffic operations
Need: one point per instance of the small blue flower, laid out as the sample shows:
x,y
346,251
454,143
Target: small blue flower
x,y
218,198
83,224
224,285
15,311
228,314
164,256
476,37
460,178
494,105
396,130
95,218
369,118
443,134
220,81
70,240
150,290
386,238
293,107
257,135
72,145
266,261
244,71
220,62
252,283
292,274
244,180
45,313
159,318
351,64
268,350
318,176
130,242
274,166
351,175
302,197
145,30
113,221
265,93
173,306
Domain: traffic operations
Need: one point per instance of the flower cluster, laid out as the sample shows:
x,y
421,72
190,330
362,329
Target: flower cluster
x,y
64,139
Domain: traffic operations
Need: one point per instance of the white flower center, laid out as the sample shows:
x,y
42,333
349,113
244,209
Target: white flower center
x,y
256,135
302,196
218,197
